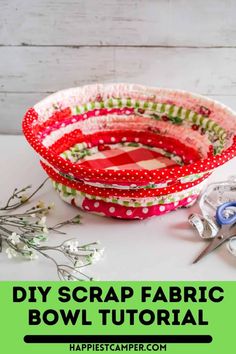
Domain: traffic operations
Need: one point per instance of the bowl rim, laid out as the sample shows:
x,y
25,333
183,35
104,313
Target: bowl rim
x,y
131,176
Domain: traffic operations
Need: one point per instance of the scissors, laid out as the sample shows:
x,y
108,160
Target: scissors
x,y
227,229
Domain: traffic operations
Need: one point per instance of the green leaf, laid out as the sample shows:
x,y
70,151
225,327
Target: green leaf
x,y
176,120
110,103
128,102
133,144
155,116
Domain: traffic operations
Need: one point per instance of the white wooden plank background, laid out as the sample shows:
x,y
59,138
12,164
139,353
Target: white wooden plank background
x,y
47,45
118,22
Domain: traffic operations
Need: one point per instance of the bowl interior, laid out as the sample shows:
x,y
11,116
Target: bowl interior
x,y
126,133
129,131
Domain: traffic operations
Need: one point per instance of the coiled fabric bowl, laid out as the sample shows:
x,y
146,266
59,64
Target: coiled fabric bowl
x,y
129,151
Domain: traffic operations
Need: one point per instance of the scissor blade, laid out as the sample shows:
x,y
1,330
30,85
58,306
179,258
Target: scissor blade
x,y
216,242
207,250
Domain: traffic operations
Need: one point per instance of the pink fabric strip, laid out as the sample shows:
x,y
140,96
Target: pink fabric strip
x,y
120,211
76,118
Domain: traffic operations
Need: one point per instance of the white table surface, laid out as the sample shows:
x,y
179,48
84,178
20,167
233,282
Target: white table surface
x,y
160,248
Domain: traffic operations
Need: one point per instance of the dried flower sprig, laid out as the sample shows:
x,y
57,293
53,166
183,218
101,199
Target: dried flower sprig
x,y
19,197
24,234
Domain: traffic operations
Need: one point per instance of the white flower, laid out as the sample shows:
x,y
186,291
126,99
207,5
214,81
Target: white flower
x,y
71,246
42,221
32,256
51,205
26,248
101,251
97,255
79,263
24,198
28,253
40,205
45,230
11,252
36,241
14,238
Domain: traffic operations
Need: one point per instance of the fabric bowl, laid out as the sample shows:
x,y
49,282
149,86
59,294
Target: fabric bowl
x,y
129,151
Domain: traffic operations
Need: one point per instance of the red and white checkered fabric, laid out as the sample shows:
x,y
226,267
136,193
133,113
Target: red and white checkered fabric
x,y
126,157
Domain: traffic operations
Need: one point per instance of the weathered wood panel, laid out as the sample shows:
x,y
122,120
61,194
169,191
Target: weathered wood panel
x,y
41,48
118,22
12,108
37,69
33,69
